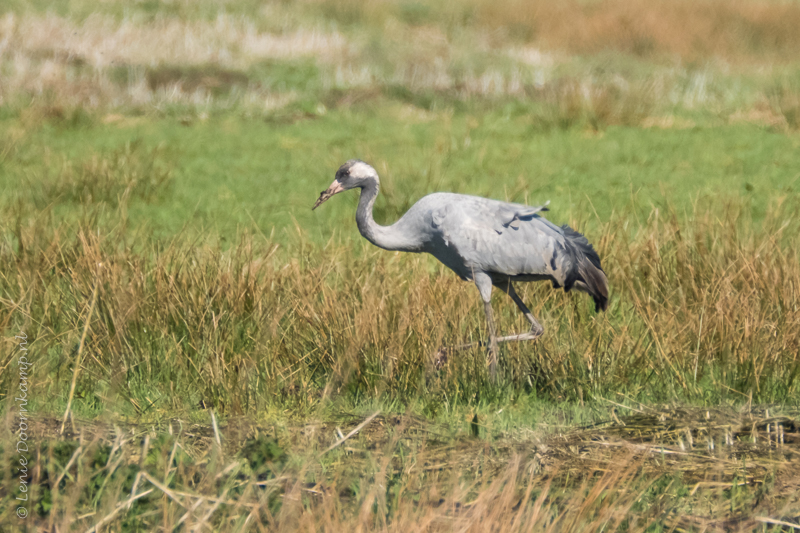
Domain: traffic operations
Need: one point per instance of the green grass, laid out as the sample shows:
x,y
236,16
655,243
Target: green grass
x,y
231,173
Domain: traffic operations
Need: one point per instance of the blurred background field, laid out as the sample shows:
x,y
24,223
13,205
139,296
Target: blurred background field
x,y
599,106
158,163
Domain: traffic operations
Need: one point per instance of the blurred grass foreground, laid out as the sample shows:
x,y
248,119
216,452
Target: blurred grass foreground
x,y
202,352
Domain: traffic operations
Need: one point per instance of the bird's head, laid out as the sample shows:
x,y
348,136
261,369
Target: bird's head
x,y
353,174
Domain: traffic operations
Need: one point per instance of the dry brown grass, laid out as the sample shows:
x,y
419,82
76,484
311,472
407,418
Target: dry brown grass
x,y
77,64
401,474
785,103
474,49
102,41
738,30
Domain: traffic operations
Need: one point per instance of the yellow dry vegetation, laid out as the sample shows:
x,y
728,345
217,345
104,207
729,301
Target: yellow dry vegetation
x,y
737,30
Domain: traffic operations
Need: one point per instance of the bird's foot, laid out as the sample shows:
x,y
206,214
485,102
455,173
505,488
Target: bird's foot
x,y
528,336
537,330
440,358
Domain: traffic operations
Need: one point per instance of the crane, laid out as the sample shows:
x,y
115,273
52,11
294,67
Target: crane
x,y
489,242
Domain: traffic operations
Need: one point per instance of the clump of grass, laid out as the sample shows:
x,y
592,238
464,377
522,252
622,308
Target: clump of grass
x,y
129,172
785,100
212,79
568,103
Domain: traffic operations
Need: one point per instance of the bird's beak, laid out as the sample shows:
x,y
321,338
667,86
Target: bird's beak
x,y
335,187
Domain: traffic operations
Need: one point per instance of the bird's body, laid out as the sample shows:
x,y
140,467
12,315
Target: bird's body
x,y
473,234
480,239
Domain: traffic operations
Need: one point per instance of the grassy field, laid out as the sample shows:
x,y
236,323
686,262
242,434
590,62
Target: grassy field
x,y
203,344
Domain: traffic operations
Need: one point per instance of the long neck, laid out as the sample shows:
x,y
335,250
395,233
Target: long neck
x,y
395,237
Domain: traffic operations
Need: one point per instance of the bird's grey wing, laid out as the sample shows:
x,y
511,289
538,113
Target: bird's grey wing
x,y
504,239
510,215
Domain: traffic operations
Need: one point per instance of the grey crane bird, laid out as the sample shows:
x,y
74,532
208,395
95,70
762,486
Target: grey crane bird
x,y
483,240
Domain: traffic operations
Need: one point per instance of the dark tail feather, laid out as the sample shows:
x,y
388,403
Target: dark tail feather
x,y
590,279
596,285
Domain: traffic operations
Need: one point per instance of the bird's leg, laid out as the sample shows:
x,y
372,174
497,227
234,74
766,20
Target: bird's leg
x,y
493,347
536,328
484,284
535,332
